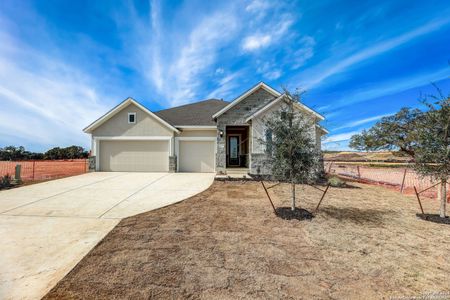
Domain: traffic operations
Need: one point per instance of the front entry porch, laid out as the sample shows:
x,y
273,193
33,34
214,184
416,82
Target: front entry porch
x,y
237,147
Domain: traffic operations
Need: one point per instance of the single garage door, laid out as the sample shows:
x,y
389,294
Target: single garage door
x,y
196,156
134,156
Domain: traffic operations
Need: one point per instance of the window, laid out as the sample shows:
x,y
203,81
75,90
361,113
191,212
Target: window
x,y
268,136
131,118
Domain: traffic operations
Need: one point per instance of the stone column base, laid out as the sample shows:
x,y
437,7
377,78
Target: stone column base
x,y
172,164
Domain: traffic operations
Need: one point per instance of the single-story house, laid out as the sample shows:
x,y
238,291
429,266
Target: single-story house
x,y
206,136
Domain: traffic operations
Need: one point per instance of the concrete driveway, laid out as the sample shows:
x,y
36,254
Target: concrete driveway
x,y
47,228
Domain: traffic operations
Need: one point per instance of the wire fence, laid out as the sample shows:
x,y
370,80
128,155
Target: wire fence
x,y
402,179
35,170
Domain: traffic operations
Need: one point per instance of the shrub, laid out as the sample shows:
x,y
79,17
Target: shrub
x,y
5,181
336,181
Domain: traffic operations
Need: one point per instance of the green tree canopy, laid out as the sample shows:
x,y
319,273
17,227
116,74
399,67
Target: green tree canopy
x,y
72,152
18,153
290,145
399,131
13,153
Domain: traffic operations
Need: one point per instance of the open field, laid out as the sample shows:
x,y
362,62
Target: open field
x,y
380,156
39,170
226,243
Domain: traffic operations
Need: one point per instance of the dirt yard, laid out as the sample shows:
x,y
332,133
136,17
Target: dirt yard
x,y
226,243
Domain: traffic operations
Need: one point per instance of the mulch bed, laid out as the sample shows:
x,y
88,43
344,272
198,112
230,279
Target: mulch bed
x,y
298,214
434,218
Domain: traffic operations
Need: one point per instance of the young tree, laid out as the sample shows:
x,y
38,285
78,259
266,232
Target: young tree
x,y
424,135
290,144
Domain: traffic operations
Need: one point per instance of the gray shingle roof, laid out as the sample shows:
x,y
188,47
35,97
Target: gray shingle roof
x,y
194,114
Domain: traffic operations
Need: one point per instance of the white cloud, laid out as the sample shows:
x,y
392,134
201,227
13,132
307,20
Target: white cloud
x,y
257,41
283,25
183,60
272,75
323,107
269,70
156,68
391,87
225,86
199,54
180,60
318,74
337,146
305,52
257,6
270,33
340,137
361,122
45,102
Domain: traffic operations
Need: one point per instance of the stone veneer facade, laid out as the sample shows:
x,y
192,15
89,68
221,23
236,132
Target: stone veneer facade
x,y
236,116
172,164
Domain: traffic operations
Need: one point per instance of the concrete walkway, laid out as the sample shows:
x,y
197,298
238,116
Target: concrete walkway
x,y
47,228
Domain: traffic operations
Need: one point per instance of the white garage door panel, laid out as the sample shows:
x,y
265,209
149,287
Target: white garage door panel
x,y
196,156
134,156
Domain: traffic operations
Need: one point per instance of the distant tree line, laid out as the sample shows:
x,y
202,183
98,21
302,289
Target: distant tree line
x,y
14,153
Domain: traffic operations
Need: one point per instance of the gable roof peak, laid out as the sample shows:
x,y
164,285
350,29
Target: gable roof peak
x,y
121,106
244,95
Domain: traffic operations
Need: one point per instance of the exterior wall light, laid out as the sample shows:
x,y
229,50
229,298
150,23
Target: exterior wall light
x,y
221,133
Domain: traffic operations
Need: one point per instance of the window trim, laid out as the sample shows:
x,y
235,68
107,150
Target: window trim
x,y
131,114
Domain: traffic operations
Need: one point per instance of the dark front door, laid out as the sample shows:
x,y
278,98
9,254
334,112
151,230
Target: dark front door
x,y
233,150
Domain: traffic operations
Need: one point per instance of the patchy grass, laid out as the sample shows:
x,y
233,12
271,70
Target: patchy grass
x,y
226,243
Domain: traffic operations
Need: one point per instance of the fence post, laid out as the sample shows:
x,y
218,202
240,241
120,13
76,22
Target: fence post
x,y
17,174
329,168
403,182
359,172
33,169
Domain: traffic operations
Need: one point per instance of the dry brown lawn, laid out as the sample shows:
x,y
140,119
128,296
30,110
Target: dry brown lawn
x,y
226,243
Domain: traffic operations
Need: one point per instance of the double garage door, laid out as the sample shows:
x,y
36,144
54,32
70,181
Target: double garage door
x,y
134,156
153,156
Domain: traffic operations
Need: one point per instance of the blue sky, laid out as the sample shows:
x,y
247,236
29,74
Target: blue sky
x,y
65,63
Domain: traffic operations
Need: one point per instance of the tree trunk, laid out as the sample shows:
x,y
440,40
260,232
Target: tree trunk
x,y
293,196
443,196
